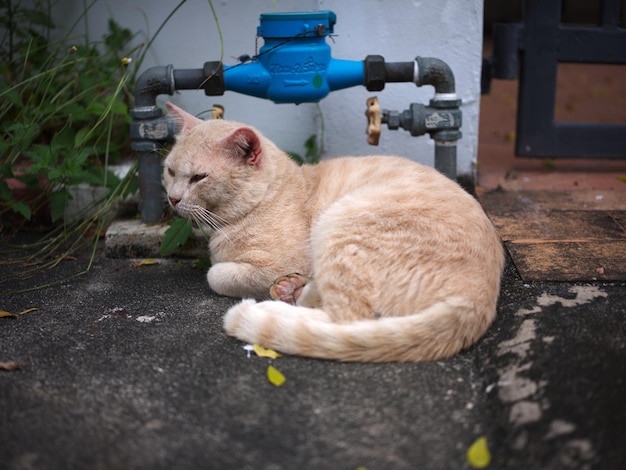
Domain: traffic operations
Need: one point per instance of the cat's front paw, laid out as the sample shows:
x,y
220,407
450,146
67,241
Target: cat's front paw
x,y
288,288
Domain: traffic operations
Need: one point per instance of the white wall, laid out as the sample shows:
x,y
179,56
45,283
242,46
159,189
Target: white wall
x,y
399,30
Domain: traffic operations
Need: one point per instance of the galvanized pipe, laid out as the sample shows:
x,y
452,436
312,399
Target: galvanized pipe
x,y
149,128
279,60
435,72
445,158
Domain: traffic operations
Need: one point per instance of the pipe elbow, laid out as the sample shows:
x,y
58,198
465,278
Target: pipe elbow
x,y
153,82
435,72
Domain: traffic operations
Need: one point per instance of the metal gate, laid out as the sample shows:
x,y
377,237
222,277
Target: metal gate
x,y
534,47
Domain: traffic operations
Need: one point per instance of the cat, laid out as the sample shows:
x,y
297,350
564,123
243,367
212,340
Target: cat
x,y
385,259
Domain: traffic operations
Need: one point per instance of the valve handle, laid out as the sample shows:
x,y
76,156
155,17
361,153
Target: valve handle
x,y
217,111
373,120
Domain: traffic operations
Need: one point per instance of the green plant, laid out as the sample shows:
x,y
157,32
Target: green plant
x,y
312,152
63,120
177,234
63,108
61,243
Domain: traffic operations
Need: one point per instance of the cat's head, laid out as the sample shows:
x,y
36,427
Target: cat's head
x,y
218,166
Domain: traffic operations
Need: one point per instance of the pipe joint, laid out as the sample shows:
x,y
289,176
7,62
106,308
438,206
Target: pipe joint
x,y
153,82
375,74
435,72
160,129
441,124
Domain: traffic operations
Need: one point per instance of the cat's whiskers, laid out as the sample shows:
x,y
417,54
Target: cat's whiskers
x,y
206,218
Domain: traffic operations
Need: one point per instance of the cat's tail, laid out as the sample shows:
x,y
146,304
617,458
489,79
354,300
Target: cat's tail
x,y
435,333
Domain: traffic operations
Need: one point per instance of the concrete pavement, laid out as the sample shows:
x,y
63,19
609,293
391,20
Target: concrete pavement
x,y
128,367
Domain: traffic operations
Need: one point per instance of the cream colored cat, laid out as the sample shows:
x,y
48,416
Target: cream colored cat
x,y
403,264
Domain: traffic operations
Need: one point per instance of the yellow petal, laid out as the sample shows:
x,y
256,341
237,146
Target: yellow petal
x,y
275,376
478,454
144,262
262,352
4,314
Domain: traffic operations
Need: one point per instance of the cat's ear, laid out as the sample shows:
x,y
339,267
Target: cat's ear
x,y
245,144
186,121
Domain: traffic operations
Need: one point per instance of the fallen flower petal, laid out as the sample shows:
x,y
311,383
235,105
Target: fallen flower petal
x,y
478,454
262,352
144,262
274,376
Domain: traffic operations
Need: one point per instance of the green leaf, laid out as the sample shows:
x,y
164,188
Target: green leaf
x,y
312,152
15,98
203,263
80,137
133,187
177,234
40,156
5,191
96,108
58,203
62,141
21,208
296,157
113,181
117,106
95,176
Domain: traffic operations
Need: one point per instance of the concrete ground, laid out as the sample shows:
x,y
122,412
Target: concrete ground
x,y
127,367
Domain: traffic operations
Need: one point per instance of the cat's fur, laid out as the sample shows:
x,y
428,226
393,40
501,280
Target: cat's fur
x,y
405,262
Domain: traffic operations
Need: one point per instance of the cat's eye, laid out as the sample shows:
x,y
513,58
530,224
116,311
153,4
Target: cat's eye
x,y
196,178
171,172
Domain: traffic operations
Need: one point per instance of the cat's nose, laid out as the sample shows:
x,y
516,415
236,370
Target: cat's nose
x,y
173,201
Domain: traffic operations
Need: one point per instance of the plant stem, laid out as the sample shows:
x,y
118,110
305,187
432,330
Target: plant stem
x,y
147,48
219,30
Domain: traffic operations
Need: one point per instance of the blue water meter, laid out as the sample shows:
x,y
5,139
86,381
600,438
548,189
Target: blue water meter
x,y
294,65
296,24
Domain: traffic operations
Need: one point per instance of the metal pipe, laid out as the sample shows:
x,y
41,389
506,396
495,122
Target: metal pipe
x,y
435,72
279,72
149,128
150,84
188,79
153,82
150,189
445,158
398,72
